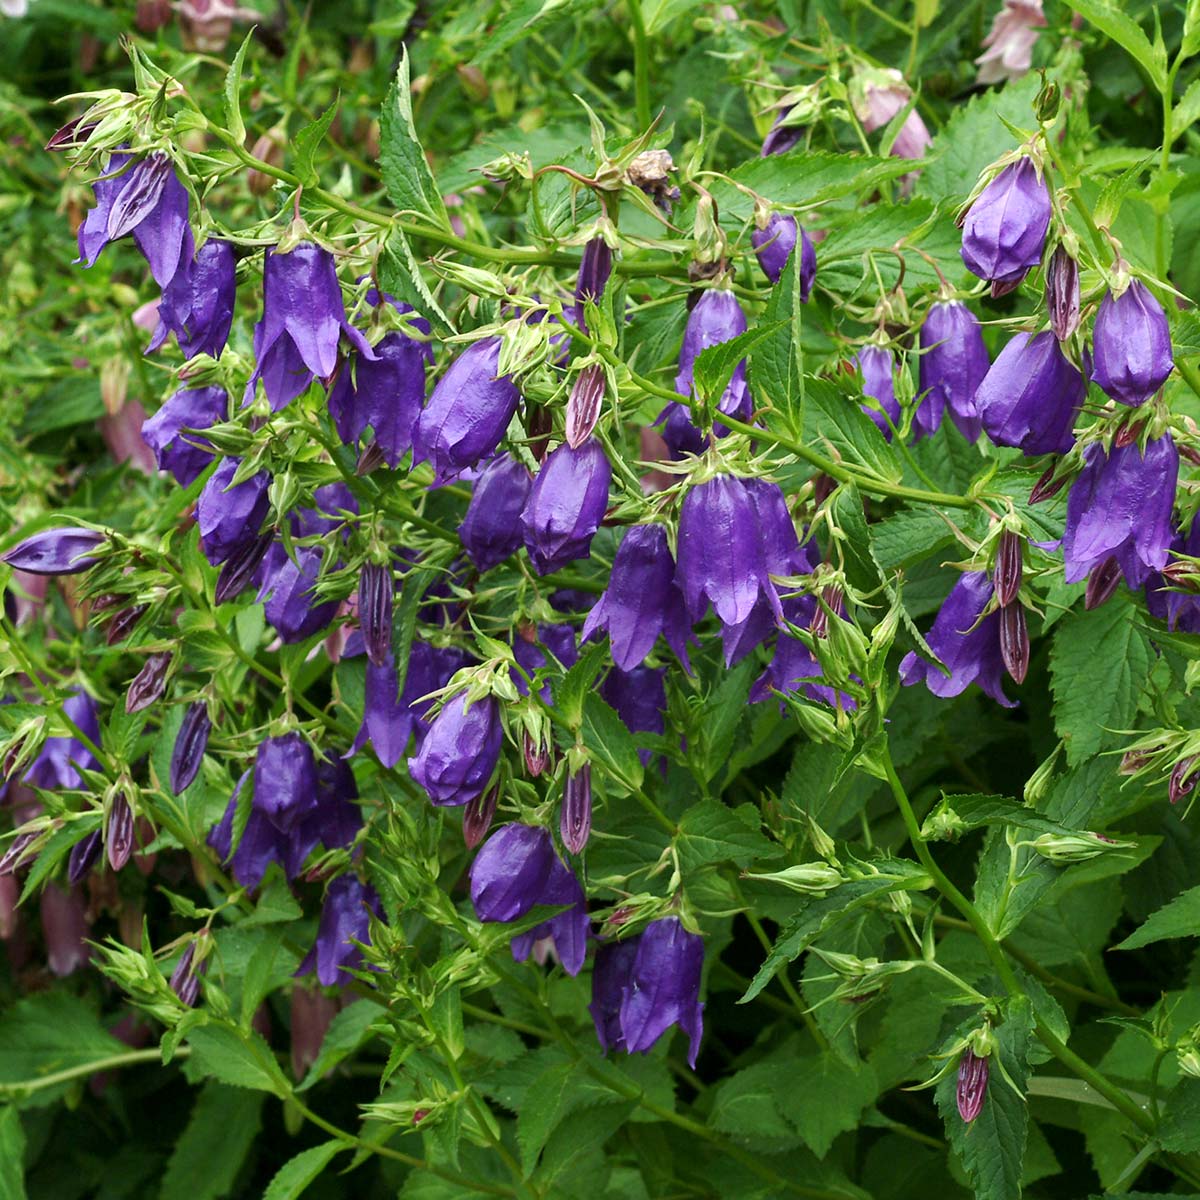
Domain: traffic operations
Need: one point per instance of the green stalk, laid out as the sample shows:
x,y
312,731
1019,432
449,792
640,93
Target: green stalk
x,y
641,66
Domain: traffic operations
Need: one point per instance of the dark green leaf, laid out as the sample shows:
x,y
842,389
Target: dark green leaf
x,y
611,743
1180,918
711,832
12,1155
205,1162
241,1059
406,174
305,146
293,1178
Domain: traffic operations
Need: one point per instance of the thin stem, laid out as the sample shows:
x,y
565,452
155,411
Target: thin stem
x,y
130,1058
641,66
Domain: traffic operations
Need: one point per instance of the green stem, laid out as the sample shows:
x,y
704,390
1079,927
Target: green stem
x,y
641,66
130,1058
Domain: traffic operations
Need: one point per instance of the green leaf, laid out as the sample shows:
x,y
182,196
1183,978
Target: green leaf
x,y
12,1155
209,1154
777,365
546,1103
293,1178
275,903
400,276
831,1100
854,538
1098,666
715,365
711,832
1179,1129
611,743
992,1147
754,1103
1179,918
243,1060
1186,111
233,91
974,812
833,421
406,175
347,1031
305,145
1116,24
571,688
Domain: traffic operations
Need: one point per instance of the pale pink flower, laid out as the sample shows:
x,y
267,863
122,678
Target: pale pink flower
x,y
122,434
878,95
1008,48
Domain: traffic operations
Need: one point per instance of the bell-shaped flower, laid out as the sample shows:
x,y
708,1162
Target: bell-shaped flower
x,y
1030,396
641,600
566,505
60,759
345,920
1120,507
260,845
773,244
782,137
878,95
491,530
594,270
509,875
1131,345
878,369
531,657
288,594
467,414
1180,609
302,322
1004,232
969,646
64,550
460,751
170,432
567,931
230,515
794,670
285,780
65,927
953,364
197,305
1008,47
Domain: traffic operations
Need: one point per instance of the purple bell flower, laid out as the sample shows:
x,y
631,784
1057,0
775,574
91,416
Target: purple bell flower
x,y
60,759
491,530
460,751
197,305
558,639
287,590
774,243
781,138
968,646
260,844
285,780
1131,344
510,873
385,393
467,414
641,600
1004,232
1120,507
566,505
302,322
61,551
147,201
185,454
953,364
794,670
1180,610
638,996
594,270
716,317
568,931
334,820
879,382
345,919
230,517
1030,396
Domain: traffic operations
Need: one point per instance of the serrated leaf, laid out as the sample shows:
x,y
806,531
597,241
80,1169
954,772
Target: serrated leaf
x,y
205,1162
1179,1129
715,365
233,91
305,144
406,175
855,544
522,16
243,1060
400,277
1186,111
546,1103
1179,918
611,743
293,1178
777,365
711,832
347,1031
832,1099
834,423
974,812
12,1155
571,688
1121,28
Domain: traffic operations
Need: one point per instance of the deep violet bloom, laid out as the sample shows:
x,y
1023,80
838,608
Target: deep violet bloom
x,y
345,919
1131,344
1004,232
953,364
376,596
491,530
640,992
61,551
197,305
60,759
285,780
968,646
467,414
774,243
302,322
781,138
190,744
531,657
460,751
260,844
794,669
147,201
288,594
641,600
594,270
385,393
185,454
510,873
716,317
1030,396
566,505
230,516
1120,506
879,382
1180,610
568,930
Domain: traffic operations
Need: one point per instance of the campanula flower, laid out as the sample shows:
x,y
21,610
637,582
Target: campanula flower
x,y
594,269
970,1089
773,244
288,594
716,317
190,744
558,639
230,516
197,305
60,551
65,927
1131,345
1180,610
510,873
781,138
878,95
170,432
1008,47
460,751
953,364
575,826
260,844
285,780
569,930
566,505
1004,232
491,530
345,920
878,369
60,759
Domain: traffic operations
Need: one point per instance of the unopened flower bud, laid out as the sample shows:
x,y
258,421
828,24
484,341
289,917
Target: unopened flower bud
x,y
83,857
477,816
122,625
1074,847
149,683
971,1089
1006,576
1062,293
809,879
190,745
536,754
575,822
1014,641
118,832
1183,779
239,568
375,596
1047,486
1103,581
583,406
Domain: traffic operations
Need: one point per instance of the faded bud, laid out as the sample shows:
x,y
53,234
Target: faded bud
x,y
118,832
1183,779
477,816
583,406
149,683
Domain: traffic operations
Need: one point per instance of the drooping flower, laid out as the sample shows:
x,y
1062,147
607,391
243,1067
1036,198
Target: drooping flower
x,y
509,874
65,550
1131,345
460,751
1120,506
1008,47
878,95
953,364
1004,233
558,639
230,515
794,669
303,319
376,593
594,269
345,920
60,759
782,137
287,590
491,530
169,432
773,245
569,930
285,780
566,505
65,927
639,698
467,414
969,647
1030,396
1180,610
878,369
197,305
641,600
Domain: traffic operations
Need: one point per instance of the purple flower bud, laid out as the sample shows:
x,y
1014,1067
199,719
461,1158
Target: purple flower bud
x,y
18,850
1014,641
240,567
169,432
230,517
575,824
148,201
477,817
510,873
66,928
594,270
61,551
375,596
345,919
566,505
583,405
970,647
385,394
971,1088
879,382
197,305
569,930
1102,583
122,625
716,317
149,683
1183,779
641,600
1120,506
1004,232
287,589
1062,293
1030,396
259,845
1132,344
536,754
1006,575
774,243
467,414
460,751
83,857
285,780
118,832
781,138
190,744
185,978
302,322
491,530
953,364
